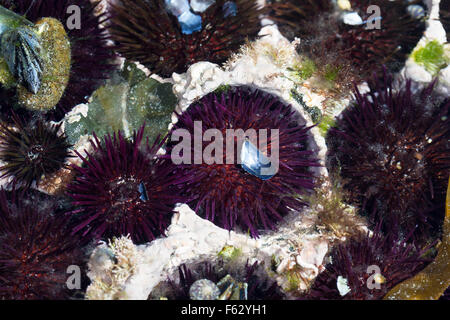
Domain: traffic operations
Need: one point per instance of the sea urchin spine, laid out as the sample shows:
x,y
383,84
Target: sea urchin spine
x,y
227,194
147,32
123,188
31,151
392,150
367,267
36,248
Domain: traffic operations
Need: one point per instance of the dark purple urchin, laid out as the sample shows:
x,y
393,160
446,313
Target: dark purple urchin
x,y
145,31
295,16
370,266
31,151
445,295
123,188
225,193
392,150
351,49
36,248
444,14
91,57
260,285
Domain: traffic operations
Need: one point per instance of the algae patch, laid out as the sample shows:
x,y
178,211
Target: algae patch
x,y
127,101
431,56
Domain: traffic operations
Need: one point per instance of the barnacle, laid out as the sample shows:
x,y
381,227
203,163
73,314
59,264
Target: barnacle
x,y
21,49
84,50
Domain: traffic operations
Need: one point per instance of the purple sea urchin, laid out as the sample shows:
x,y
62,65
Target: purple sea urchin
x,y
205,281
367,267
145,31
90,55
444,14
225,193
36,248
352,49
31,151
391,148
293,17
123,189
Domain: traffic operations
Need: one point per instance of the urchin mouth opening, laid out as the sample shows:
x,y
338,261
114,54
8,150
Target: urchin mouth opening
x,y
126,195
35,153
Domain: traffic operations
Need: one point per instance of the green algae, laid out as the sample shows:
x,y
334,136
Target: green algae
x,y
6,77
331,73
223,88
305,69
293,281
230,253
325,125
431,57
127,101
314,112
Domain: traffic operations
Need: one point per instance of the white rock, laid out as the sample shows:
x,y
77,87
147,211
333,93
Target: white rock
x,y
417,73
444,81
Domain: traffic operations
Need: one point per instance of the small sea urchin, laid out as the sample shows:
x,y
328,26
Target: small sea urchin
x,y
223,280
36,248
148,31
31,151
224,192
355,39
123,189
367,267
392,150
90,55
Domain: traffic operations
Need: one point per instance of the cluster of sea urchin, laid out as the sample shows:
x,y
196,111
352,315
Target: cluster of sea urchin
x,y
36,248
391,148
355,39
123,188
224,280
150,31
31,151
91,58
224,192
367,267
